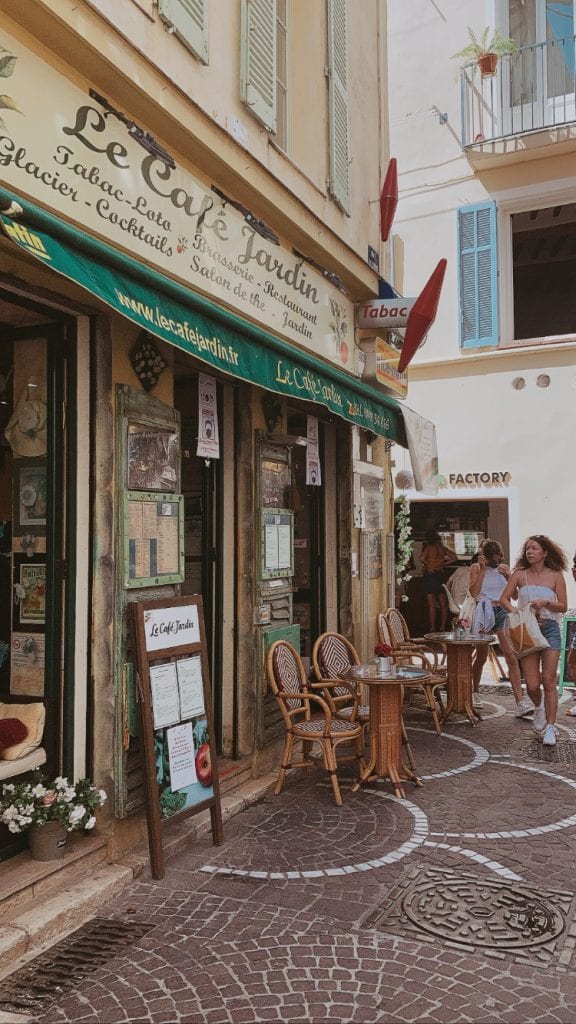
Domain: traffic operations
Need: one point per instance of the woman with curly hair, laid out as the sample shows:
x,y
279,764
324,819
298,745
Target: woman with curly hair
x,y
538,578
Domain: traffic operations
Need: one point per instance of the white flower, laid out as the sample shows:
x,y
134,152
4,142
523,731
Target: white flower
x,y
9,787
103,795
76,814
39,790
61,783
90,823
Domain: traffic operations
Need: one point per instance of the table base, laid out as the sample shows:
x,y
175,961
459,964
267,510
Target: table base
x,y
459,683
385,761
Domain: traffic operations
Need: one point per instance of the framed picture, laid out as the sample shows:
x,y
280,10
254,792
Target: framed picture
x,y
153,458
30,496
29,593
568,634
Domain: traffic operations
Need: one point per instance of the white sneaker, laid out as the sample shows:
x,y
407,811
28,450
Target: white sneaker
x,y
539,720
524,707
477,701
549,737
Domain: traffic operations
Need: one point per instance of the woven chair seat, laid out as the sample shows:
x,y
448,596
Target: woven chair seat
x,y
317,726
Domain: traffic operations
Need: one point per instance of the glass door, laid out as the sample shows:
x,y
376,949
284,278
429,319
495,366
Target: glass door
x,y
542,84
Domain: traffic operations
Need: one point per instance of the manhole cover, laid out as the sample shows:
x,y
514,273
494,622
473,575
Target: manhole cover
x,y
564,752
62,967
483,913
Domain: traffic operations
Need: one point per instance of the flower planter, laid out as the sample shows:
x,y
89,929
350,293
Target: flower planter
x,y
47,842
383,666
488,62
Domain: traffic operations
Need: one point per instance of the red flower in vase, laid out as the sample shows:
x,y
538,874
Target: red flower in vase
x,y
382,650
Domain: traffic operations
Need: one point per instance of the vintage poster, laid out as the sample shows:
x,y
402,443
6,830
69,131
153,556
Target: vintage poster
x,y
153,457
31,594
208,440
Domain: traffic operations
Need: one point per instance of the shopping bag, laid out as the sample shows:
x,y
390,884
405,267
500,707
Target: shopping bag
x,y
467,610
524,633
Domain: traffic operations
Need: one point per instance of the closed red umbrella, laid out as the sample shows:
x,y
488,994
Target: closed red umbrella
x,y
388,199
422,315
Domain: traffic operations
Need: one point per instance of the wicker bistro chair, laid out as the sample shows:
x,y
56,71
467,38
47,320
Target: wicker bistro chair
x,y
435,654
297,703
332,654
409,653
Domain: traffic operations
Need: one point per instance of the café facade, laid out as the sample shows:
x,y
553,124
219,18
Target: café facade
x,y
182,411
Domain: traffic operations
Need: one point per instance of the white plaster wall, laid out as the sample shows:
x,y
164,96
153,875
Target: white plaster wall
x,y
483,424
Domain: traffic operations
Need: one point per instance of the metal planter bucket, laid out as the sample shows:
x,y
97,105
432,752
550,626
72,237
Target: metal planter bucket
x,y
47,842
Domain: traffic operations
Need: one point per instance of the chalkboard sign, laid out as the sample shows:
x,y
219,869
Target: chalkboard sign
x,y
176,717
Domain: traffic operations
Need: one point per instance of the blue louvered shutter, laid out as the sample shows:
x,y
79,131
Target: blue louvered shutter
x,y
478,275
339,178
258,60
188,19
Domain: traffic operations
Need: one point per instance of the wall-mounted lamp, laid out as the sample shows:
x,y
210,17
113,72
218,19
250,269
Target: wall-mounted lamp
x,y
146,361
255,223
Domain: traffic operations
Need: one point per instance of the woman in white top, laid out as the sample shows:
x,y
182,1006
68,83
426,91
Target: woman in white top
x,y
488,580
538,578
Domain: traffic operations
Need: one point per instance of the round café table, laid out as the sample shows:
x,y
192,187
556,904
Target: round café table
x,y
459,651
385,692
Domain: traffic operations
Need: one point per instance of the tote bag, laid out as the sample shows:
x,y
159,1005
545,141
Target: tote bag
x,y
524,633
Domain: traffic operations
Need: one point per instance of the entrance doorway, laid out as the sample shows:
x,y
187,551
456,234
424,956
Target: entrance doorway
x,y
37,534
202,487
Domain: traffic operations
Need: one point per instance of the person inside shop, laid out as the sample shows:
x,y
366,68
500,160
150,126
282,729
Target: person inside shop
x,y
488,579
539,579
435,555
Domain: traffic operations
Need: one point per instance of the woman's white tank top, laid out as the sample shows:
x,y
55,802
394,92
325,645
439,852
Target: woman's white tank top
x,y
493,585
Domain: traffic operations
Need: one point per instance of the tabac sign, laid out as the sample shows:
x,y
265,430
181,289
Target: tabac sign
x,y
383,313
71,154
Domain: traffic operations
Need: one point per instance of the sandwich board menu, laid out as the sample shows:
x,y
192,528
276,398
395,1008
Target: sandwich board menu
x,y
176,717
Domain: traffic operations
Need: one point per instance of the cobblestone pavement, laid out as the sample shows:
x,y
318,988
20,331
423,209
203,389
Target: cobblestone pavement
x,y
454,905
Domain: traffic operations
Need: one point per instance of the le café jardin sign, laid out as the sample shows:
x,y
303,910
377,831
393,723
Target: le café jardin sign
x,y
62,148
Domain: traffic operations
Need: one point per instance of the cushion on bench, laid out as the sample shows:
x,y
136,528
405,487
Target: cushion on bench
x,y
33,716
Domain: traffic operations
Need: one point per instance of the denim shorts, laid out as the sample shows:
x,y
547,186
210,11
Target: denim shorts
x,y
500,616
550,630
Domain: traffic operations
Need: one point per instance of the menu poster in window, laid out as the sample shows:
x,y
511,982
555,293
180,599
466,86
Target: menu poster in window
x,y
154,539
177,730
277,544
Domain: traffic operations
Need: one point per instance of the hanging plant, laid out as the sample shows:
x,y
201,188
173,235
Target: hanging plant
x,y
404,544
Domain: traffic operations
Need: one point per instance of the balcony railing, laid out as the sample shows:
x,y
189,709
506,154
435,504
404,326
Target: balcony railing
x,y
533,90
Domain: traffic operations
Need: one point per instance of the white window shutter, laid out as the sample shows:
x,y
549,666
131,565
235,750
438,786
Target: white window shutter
x,y
258,60
339,178
189,21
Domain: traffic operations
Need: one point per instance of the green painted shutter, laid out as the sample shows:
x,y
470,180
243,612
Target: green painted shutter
x,y
189,21
339,181
258,60
478,275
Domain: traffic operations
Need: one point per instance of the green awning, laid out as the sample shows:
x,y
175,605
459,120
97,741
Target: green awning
x,y
192,323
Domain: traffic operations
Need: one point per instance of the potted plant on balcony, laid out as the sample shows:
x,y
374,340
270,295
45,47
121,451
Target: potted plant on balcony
x,y
486,50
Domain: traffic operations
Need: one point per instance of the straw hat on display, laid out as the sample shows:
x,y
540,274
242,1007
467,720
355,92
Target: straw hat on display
x,y
26,431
